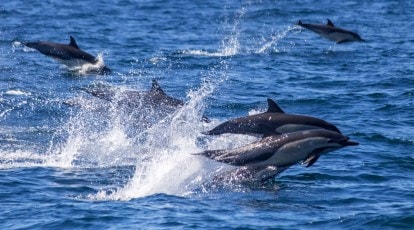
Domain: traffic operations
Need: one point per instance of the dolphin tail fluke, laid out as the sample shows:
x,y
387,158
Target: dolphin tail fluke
x,y
221,156
105,70
212,154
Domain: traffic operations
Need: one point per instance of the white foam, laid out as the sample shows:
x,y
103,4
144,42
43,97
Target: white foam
x,y
17,92
89,67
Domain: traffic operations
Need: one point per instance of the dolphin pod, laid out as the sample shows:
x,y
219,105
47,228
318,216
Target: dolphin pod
x,y
287,140
67,54
331,32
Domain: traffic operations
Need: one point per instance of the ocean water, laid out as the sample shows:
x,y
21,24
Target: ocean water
x,y
71,161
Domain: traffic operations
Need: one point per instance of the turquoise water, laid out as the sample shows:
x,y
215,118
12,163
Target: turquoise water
x,y
96,165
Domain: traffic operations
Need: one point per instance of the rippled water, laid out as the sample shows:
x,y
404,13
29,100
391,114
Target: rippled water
x,y
68,160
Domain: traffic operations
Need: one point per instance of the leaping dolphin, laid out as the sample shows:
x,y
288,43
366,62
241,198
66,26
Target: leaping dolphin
x,y
69,55
273,154
273,121
332,32
156,97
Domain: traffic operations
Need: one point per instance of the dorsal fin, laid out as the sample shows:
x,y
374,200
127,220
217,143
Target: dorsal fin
x,y
330,23
73,43
155,87
273,107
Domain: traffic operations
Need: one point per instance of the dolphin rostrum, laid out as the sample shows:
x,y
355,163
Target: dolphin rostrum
x,y
273,154
273,121
69,55
332,32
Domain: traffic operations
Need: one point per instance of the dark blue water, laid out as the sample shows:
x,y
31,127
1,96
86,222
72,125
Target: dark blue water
x,y
92,165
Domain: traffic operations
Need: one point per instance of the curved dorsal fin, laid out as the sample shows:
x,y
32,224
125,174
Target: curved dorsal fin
x,y
155,87
73,43
330,23
273,107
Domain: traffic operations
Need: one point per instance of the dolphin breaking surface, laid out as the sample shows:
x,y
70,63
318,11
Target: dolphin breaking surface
x,y
273,121
271,155
331,32
68,54
286,140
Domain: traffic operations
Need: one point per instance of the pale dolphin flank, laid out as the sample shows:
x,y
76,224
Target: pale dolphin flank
x,y
68,54
154,97
273,121
332,32
273,154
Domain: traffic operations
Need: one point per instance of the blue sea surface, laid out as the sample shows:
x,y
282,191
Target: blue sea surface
x,y
72,161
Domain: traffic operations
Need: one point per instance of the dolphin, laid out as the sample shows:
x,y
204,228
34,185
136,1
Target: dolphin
x,y
273,154
155,97
273,121
332,32
69,55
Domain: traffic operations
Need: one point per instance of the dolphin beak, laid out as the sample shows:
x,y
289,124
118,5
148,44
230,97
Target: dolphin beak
x,y
344,141
350,143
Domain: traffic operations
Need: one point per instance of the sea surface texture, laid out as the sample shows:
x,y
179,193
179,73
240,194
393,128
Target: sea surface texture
x,y
69,160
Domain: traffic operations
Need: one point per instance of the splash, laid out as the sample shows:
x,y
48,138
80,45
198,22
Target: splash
x,y
275,39
88,68
164,163
229,46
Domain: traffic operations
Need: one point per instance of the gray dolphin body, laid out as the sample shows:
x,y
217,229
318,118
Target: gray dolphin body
x,y
274,121
332,32
68,54
273,154
155,97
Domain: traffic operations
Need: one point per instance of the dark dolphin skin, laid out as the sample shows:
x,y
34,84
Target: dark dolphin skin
x,y
273,154
273,121
155,97
67,54
332,32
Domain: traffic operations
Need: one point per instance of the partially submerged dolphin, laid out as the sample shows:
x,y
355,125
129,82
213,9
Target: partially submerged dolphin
x,y
273,154
273,121
332,32
69,55
155,97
